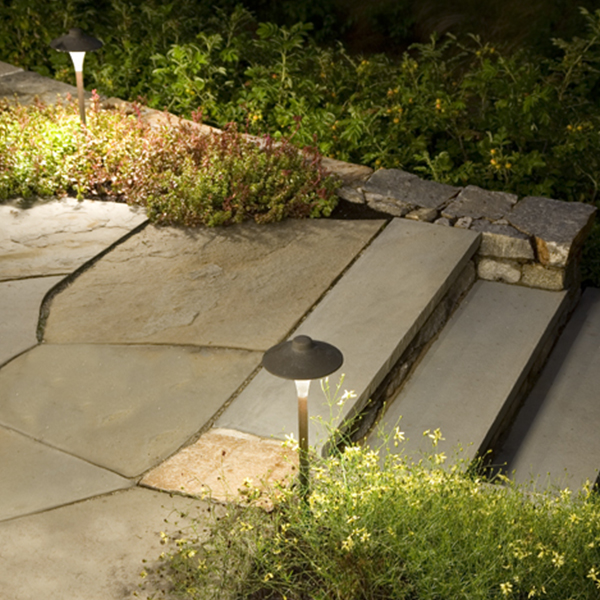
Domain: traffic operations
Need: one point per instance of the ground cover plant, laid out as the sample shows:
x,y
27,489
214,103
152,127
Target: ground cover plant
x,y
378,526
181,174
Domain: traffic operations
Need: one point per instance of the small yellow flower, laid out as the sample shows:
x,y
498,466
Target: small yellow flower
x,y
396,120
506,588
508,165
493,161
348,544
558,560
267,577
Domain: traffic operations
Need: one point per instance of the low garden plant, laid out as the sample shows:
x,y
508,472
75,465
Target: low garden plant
x,y
181,174
382,526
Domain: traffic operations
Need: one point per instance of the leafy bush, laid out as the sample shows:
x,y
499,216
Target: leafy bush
x,y
458,112
383,527
180,173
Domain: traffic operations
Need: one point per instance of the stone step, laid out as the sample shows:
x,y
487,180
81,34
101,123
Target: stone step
x,y
555,438
474,372
371,314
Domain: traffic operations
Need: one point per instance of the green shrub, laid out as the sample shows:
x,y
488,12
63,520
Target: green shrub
x,y
458,112
387,528
180,173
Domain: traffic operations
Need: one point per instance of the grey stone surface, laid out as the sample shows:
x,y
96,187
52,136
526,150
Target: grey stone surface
x,y
469,377
555,436
478,203
92,550
36,477
558,227
423,214
58,236
123,408
499,270
503,241
25,86
20,303
243,286
347,172
351,194
8,69
386,205
538,276
371,315
406,190
463,222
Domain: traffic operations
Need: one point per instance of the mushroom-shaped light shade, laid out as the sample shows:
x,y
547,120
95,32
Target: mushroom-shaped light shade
x,y
302,359
76,41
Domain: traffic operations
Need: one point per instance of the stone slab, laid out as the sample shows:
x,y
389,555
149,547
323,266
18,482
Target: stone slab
x,y
406,191
220,463
25,86
20,302
467,380
478,203
123,408
8,69
503,241
371,315
347,172
243,286
538,276
36,477
499,270
555,436
58,236
558,227
92,550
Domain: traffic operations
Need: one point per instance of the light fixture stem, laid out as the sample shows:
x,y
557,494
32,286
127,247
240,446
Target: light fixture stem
x,y
79,79
303,444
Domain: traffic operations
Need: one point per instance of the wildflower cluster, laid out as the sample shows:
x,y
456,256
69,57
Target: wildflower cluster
x,y
381,526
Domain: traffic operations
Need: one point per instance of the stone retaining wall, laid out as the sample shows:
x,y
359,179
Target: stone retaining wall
x,y
533,241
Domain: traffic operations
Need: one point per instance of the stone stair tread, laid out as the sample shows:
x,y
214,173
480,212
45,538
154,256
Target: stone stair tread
x,y
371,314
555,435
465,383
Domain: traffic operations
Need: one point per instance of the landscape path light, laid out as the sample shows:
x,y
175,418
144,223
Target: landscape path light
x,y
77,43
302,359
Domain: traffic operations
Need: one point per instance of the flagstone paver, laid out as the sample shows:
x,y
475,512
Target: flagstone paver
x,y
244,286
120,407
92,550
20,302
37,477
57,237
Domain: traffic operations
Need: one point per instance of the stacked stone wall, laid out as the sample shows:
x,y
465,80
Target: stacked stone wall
x,y
532,241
